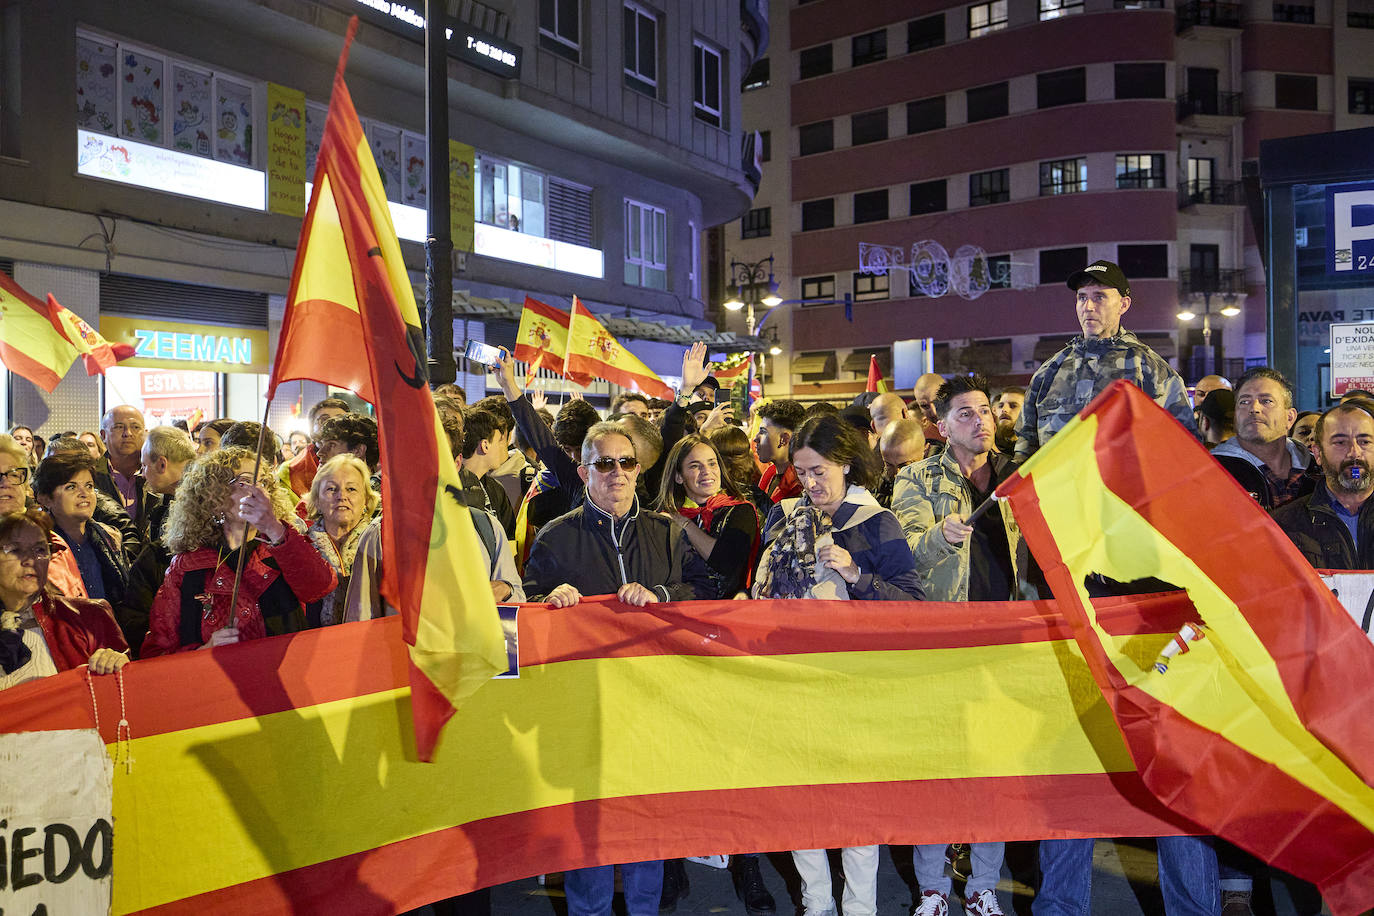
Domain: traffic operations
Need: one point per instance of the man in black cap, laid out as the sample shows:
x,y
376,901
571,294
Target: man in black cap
x,y
1216,417
1064,384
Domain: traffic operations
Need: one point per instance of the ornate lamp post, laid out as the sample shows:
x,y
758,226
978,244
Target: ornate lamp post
x,y
747,278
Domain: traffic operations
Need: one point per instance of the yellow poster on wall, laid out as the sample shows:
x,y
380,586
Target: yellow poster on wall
x,y
461,183
285,150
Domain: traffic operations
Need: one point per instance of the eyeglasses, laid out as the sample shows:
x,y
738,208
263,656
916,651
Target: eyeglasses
x,y
132,428
38,553
16,476
607,464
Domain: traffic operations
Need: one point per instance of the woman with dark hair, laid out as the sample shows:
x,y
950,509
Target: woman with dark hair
x,y
208,434
737,458
219,511
65,486
41,632
699,498
1304,428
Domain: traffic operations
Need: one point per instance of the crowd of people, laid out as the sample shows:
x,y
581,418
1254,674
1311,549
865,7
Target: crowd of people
x,y
123,543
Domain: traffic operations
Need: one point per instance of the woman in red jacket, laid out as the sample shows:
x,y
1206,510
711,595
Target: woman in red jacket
x,y
219,511
42,633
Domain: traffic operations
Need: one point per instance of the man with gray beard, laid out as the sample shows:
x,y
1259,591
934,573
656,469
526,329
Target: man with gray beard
x,y
1334,525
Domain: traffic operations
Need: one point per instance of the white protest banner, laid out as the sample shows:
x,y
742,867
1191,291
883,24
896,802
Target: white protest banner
x,y
56,826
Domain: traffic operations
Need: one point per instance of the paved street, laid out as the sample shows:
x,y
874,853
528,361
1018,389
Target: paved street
x,y
1124,884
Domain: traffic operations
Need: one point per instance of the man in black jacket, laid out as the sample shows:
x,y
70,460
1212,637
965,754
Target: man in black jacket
x,y
1334,525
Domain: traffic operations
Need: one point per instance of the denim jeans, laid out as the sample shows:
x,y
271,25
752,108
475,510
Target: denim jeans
x,y
929,863
1187,877
589,891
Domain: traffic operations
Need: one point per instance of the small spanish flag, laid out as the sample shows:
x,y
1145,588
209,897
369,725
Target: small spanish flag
x,y
542,340
40,340
593,352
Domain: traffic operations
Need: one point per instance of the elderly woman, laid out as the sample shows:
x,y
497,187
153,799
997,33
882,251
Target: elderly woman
x,y
65,486
340,503
703,503
835,541
220,511
42,633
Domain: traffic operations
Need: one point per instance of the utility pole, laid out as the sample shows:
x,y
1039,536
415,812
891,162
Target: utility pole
x,y
439,242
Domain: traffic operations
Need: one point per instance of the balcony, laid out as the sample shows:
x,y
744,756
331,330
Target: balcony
x,y
753,31
1206,13
1193,107
1208,282
1208,192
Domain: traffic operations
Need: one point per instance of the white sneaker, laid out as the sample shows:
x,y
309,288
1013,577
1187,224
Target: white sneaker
x,y
983,903
828,910
933,903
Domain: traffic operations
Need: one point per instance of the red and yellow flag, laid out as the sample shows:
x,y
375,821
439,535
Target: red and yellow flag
x,y
729,372
351,320
1260,733
875,376
542,340
40,340
594,353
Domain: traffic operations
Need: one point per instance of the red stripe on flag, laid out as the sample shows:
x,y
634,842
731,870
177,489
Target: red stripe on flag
x,y
426,868
21,364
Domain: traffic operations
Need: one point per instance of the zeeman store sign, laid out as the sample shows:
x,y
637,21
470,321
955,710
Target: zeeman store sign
x,y
176,345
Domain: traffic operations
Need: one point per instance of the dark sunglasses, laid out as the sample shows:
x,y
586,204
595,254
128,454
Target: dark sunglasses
x,y
606,465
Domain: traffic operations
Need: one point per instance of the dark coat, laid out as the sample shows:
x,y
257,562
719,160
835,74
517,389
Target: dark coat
x,y
1313,526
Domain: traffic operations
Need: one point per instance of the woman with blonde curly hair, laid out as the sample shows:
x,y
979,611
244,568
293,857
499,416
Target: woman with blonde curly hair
x,y
219,511
341,502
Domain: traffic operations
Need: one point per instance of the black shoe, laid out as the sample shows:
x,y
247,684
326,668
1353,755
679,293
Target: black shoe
x,y
750,889
675,885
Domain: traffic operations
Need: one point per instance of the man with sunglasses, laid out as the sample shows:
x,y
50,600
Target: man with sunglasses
x,y
608,546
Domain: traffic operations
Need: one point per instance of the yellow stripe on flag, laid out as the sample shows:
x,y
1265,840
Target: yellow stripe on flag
x,y
320,276
380,214
1227,683
261,796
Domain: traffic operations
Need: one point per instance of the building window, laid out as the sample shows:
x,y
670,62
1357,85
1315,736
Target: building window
x,y
1360,14
641,50
1140,81
511,195
1063,176
570,212
1055,9
706,71
923,34
987,17
757,223
1057,264
868,48
929,197
818,287
816,61
817,138
818,214
1361,95
999,271
869,127
559,30
757,77
1294,91
129,92
871,287
987,102
925,114
1061,87
992,187
870,206
646,245
1294,12
1143,261
1140,170
765,146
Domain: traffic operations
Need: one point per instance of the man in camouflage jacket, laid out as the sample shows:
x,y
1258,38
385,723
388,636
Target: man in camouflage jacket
x,y
1065,383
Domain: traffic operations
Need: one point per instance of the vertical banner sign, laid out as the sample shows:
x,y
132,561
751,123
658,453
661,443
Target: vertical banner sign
x,y
56,820
461,182
1350,229
285,150
1352,357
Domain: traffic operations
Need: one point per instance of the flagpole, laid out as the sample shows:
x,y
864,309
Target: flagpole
x,y
439,243
238,567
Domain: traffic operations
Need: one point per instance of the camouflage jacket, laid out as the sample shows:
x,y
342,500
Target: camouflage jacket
x,y
1081,371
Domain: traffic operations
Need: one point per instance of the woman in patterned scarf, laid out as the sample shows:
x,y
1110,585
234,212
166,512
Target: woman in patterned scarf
x,y
341,503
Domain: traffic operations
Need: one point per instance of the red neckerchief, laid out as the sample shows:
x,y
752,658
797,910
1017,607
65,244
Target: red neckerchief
x,y
706,512
780,486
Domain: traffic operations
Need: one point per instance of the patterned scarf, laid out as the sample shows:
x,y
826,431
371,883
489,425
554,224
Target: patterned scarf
x,y
791,568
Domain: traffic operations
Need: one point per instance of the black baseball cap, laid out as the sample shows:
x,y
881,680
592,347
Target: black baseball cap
x,y
709,382
1104,273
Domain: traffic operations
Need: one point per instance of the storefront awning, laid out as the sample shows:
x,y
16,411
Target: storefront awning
x,y
822,364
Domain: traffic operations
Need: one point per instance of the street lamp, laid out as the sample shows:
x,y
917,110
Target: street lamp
x,y
1228,309
746,278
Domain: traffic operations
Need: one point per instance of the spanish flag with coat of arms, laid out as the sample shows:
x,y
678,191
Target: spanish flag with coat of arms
x,y
594,353
351,321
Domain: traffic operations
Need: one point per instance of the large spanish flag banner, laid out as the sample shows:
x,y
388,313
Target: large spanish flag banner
x,y
594,353
542,339
277,776
1260,733
351,320
40,340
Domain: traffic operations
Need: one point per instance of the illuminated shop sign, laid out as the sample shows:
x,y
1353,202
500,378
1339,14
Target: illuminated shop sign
x,y
126,161
495,242
479,48
175,345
